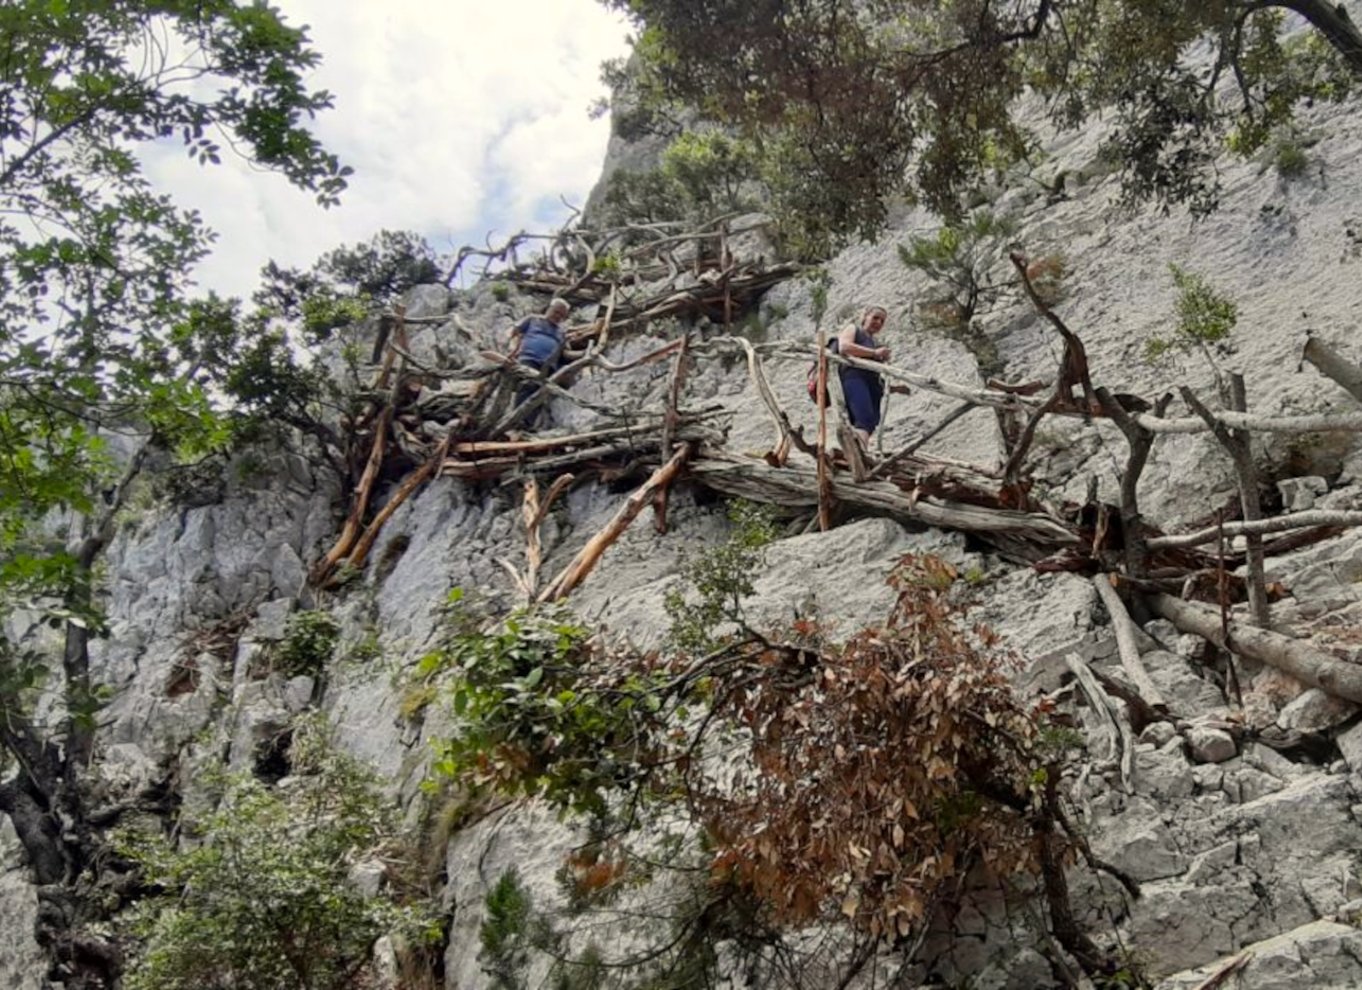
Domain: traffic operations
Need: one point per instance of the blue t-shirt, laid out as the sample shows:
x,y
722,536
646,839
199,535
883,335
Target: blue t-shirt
x,y
541,341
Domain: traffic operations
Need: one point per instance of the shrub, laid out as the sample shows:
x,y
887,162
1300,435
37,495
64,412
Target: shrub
x,y
309,641
261,899
1289,158
720,577
1205,317
964,261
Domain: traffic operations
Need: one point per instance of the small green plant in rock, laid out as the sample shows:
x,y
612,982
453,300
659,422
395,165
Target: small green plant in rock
x,y
505,932
309,641
501,291
1205,317
720,578
964,260
1289,159
608,266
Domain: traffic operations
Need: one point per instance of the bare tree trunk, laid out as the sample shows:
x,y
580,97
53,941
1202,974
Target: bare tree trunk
x,y
581,565
1334,365
1332,21
1236,444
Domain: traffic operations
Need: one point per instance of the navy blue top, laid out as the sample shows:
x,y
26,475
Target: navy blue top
x,y
542,341
866,340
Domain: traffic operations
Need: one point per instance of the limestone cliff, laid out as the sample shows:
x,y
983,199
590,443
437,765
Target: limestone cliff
x,y
1237,845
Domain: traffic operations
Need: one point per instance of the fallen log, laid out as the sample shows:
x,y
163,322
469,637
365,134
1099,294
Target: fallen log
x,y
797,488
1334,365
410,484
1118,731
670,420
1292,656
1277,524
350,531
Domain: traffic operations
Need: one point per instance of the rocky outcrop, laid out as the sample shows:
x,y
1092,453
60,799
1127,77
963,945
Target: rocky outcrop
x,y
1239,848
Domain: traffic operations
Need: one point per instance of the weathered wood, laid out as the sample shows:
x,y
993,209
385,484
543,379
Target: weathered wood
x,y
586,559
1140,441
1236,444
889,463
824,469
1334,365
547,445
1118,730
409,485
780,449
530,516
797,487
1292,656
1276,524
350,530
1124,629
669,423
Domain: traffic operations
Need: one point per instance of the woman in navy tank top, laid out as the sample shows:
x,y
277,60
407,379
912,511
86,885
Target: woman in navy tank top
x,y
863,389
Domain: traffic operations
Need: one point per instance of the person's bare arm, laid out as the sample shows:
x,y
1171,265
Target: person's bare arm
x,y
847,347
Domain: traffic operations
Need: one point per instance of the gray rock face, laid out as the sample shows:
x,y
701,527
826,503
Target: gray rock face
x,y
1320,954
22,961
1207,745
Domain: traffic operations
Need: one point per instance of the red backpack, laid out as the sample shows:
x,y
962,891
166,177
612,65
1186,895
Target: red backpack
x,y
813,374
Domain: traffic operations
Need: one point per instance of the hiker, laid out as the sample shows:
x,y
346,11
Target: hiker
x,y
863,388
538,342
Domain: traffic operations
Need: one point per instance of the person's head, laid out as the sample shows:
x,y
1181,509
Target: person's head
x,y
873,319
557,311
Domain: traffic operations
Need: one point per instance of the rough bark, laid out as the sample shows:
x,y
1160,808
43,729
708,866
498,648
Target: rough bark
x,y
1295,657
1277,524
797,487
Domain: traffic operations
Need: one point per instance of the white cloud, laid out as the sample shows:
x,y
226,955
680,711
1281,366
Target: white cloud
x,y
458,119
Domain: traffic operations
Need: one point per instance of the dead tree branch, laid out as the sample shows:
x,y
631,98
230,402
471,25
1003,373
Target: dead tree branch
x,y
1292,656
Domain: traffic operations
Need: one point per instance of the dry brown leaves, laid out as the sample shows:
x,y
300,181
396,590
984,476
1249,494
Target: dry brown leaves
x,y
884,773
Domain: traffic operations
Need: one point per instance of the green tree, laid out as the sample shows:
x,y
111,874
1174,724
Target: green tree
x,y
261,899
97,336
701,175
857,101
376,271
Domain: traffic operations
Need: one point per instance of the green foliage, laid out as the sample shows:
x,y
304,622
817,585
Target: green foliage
x,y
505,933
259,898
702,174
836,97
1205,317
717,580
96,330
608,266
344,284
501,291
309,641
1289,158
527,723
964,260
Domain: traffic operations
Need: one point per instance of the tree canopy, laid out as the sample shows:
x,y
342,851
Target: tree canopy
x,y
98,334
857,101
93,259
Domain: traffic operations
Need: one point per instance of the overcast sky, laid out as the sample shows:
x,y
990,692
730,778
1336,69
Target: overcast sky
x,y
458,117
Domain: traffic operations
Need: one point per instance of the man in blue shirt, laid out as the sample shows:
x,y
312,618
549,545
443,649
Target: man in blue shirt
x,y
539,342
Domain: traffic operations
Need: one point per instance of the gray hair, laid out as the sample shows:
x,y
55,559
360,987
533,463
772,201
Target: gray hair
x,y
557,303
